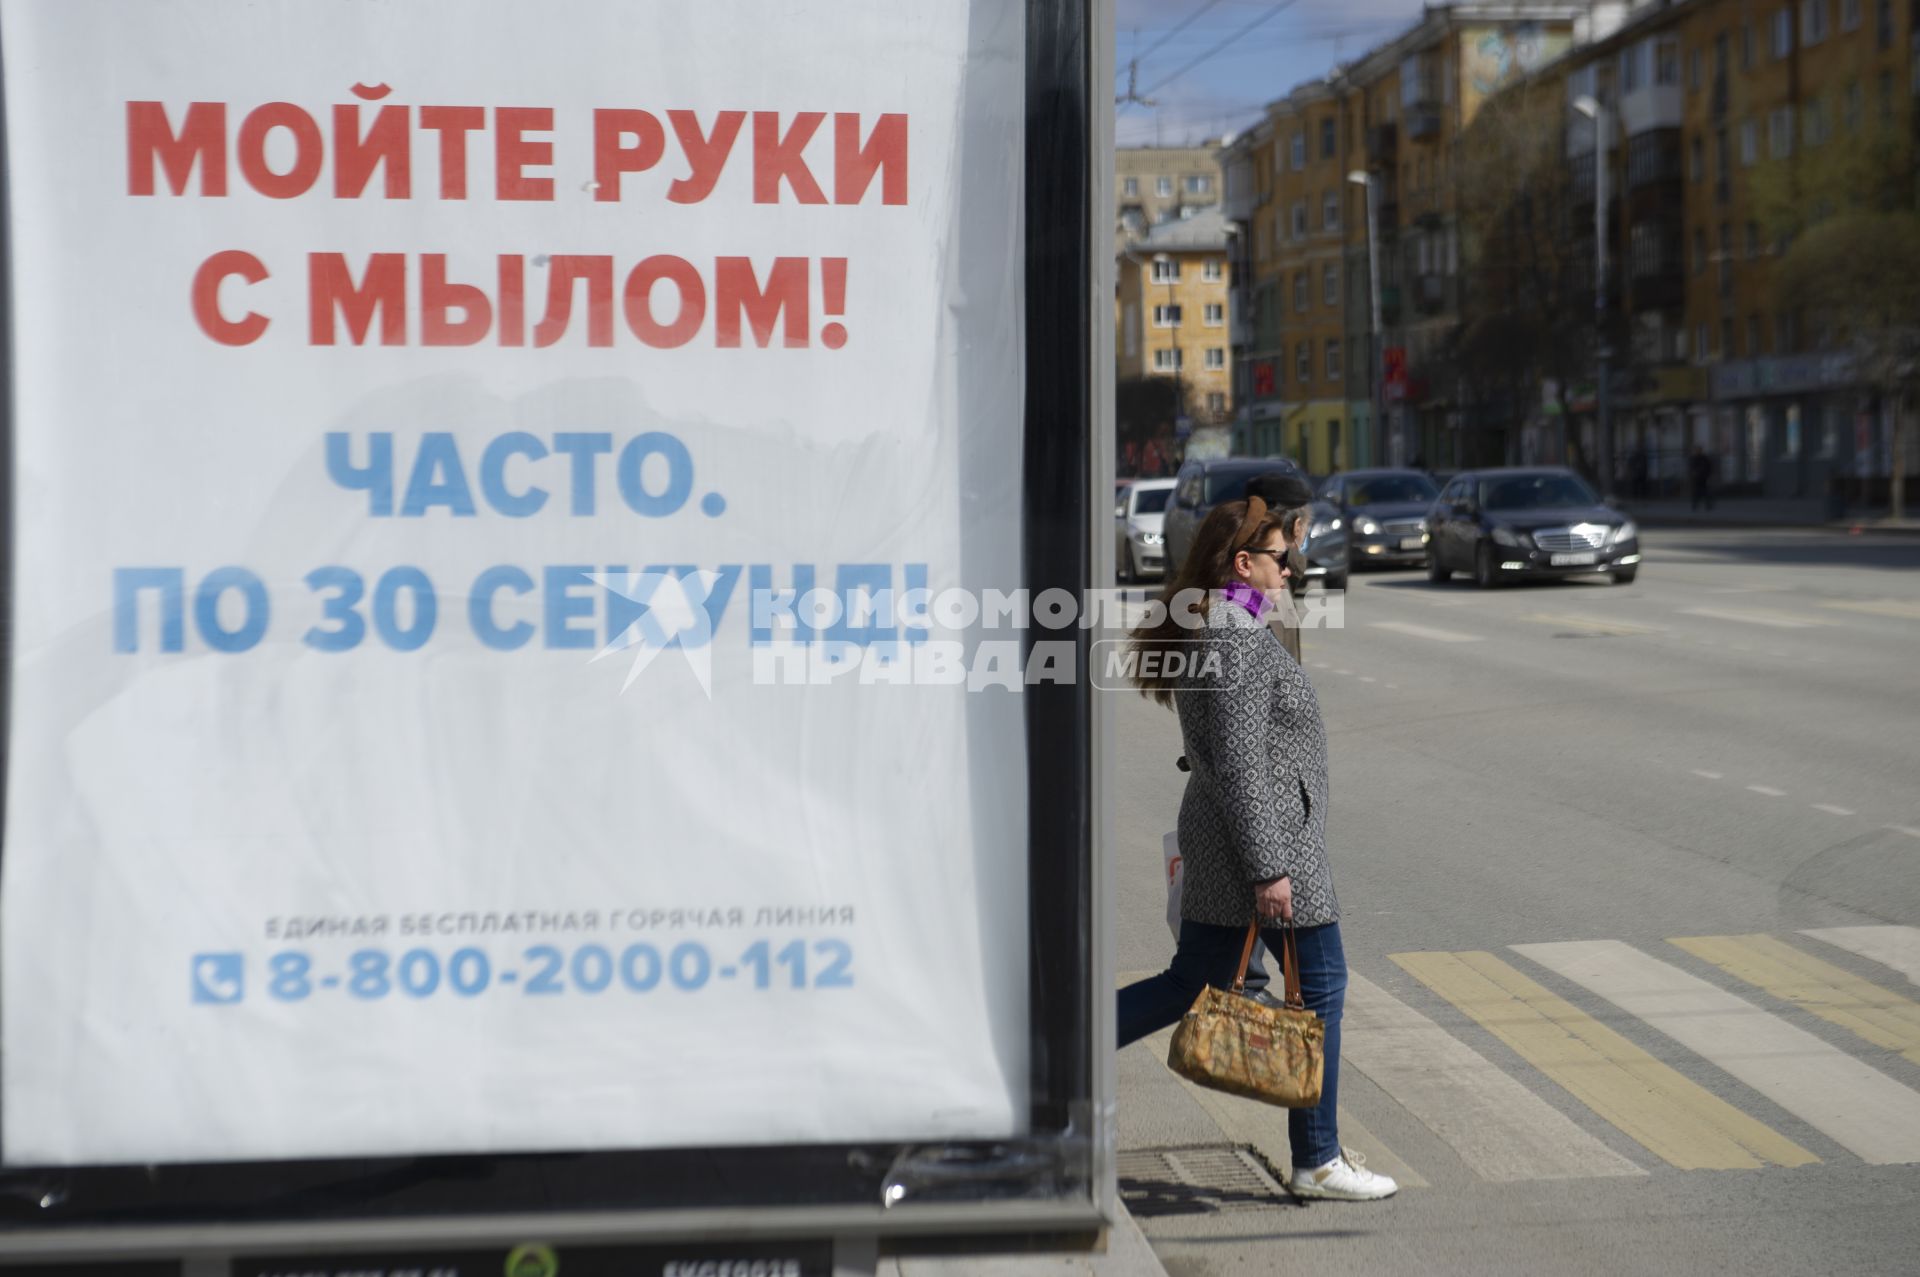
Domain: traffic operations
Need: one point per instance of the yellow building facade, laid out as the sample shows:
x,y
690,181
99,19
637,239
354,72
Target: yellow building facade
x,y
1172,312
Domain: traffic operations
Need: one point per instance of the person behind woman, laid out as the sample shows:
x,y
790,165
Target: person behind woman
x,y
1253,821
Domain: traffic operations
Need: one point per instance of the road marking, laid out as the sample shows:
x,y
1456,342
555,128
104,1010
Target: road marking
x,y
1673,1118
1747,589
1589,624
1710,775
1777,620
1503,1131
1265,1127
1769,792
1835,994
1896,947
1426,632
1908,830
1858,1106
1901,608
1831,810
1393,687
1346,672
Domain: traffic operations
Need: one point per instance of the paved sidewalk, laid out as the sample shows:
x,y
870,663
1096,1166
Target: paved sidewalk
x,y
1127,1255
1760,512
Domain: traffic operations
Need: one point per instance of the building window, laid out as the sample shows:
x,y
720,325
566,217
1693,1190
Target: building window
x,y
1782,34
1133,186
1329,134
1300,291
1753,239
1299,150
1783,342
1747,47
1753,336
1168,360
1696,160
1849,15
1699,251
1333,359
1696,64
1330,212
1886,97
1666,61
1199,185
1163,186
1330,285
1780,133
1166,316
1700,350
1215,314
1303,362
1216,358
1814,129
1212,271
1726,261
1167,272
1883,22
1216,402
1813,22
1856,106
1749,143
1726,339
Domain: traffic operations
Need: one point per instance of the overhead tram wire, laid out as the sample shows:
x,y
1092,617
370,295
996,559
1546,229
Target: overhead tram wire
x,y
1182,25
1272,12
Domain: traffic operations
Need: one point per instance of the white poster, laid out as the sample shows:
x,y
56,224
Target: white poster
x,y
474,465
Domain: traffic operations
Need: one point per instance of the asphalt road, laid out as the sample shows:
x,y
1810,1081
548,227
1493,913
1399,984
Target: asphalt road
x,y
1725,753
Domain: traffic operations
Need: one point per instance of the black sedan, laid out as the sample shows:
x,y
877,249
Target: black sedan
x,y
1520,524
1384,514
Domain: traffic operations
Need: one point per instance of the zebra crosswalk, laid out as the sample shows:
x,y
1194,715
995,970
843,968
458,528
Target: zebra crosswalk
x,y
1698,1050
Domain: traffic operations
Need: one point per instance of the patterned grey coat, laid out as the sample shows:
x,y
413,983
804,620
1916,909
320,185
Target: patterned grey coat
x,y
1256,802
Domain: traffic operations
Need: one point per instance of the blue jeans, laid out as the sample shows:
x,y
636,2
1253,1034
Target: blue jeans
x,y
1209,955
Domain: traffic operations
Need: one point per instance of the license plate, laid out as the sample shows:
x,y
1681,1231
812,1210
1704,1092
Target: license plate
x,y
1575,560
1413,543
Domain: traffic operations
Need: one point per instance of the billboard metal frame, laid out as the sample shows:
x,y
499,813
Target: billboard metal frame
x,y
1059,1179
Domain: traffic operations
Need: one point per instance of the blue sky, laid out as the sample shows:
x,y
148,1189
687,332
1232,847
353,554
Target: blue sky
x,y
1287,44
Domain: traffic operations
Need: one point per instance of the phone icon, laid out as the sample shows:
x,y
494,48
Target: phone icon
x,y
218,978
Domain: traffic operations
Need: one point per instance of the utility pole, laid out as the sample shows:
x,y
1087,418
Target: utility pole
x,y
1364,180
1603,353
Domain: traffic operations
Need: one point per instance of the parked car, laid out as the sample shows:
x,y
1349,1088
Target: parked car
x,y
1515,524
1202,485
1384,515
1140,546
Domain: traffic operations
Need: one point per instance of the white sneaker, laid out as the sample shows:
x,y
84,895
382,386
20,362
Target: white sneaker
x,y
1344,1179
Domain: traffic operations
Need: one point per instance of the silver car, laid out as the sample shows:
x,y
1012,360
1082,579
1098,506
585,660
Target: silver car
x,y
1140,542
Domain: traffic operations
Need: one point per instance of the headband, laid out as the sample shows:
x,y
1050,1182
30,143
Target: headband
x,y
1250,526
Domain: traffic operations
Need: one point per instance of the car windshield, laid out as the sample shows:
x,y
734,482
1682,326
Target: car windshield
x,y
1536,492
1151,500
1387,488
1231,485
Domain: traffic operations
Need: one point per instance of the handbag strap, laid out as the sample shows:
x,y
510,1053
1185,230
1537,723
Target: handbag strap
x,y
1289,963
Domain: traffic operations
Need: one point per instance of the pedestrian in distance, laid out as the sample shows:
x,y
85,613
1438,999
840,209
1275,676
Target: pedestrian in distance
x,y
1253,819
1700,472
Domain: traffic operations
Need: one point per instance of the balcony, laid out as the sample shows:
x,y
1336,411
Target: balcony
x,y
1383,141
1423,121
1661,106
1663,290
1389,304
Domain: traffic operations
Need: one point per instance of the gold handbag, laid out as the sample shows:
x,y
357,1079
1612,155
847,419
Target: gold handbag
x,y
1231,1043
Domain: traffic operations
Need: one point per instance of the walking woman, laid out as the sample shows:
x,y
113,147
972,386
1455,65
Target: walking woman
x,y
1254,818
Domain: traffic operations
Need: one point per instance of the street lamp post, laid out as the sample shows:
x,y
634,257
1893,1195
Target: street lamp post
x,y
1603,355
1364,180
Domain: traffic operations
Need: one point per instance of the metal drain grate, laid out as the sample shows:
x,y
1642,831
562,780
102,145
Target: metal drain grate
x,y
1199,1180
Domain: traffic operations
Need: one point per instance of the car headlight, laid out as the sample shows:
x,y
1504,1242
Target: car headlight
x,y
1504,535
1625,532
1365,527
1152,538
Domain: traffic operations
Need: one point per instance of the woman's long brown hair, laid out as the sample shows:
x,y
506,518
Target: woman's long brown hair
x,y
1181,607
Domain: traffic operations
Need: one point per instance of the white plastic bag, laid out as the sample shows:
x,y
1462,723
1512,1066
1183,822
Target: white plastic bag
x,y
1170,845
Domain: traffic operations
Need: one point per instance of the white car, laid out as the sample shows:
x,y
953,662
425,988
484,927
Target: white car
x,y
1140,541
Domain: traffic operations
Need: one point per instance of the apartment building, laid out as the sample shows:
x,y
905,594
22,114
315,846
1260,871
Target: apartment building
x,y
1172,302
1314,365
1157,184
